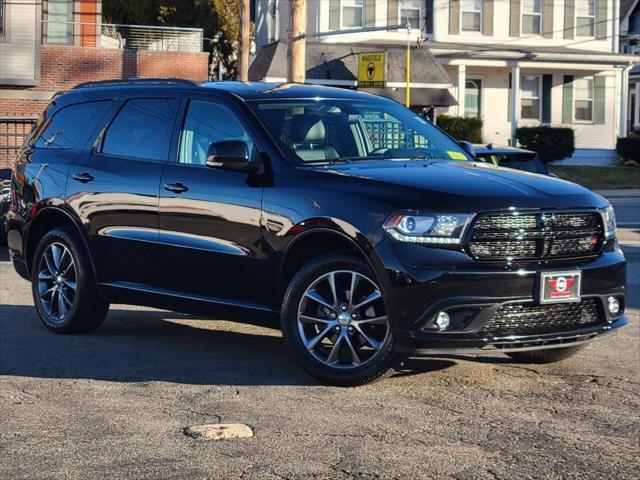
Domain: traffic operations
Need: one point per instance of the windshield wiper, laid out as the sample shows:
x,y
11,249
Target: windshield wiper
x,y
383,157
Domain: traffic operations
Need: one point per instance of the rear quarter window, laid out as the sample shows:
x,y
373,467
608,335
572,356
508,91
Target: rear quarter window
x,y
70,125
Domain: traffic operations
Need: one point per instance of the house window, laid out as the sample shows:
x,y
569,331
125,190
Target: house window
x,y
471,15
473,98
586,18
410,11
583,99
352,13
530,97
59,21
1,17
272,20
532,17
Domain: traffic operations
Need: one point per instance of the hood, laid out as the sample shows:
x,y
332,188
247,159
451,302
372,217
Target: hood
x,y
459,186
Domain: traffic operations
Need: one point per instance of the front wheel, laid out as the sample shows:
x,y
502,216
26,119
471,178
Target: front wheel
x,y
335,322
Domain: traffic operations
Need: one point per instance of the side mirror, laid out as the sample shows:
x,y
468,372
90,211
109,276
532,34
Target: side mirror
x,y
231,155
468,147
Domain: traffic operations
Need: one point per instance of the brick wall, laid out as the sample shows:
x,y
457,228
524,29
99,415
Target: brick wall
x,y
62,67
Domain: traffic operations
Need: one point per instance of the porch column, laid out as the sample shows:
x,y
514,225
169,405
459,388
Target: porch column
x,y
462,83
637,115
515,102
624,102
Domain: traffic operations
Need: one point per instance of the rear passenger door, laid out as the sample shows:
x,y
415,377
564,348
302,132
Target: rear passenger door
x,y
114,189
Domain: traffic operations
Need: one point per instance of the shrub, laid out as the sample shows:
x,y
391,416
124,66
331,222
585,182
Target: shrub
x,y
550,143
629,150
461,128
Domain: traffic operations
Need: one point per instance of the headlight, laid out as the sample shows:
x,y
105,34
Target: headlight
x,y
440,229
609,220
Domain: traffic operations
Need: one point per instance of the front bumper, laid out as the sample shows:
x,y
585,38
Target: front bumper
x,y
476,345
420,282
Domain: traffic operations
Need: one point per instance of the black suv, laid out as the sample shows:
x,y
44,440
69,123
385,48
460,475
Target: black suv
x,y
369,231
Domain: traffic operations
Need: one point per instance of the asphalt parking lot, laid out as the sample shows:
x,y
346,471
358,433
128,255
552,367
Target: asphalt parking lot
x,y
113,404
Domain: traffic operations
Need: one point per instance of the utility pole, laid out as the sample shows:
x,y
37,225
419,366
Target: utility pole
x,y
296,51
244,41
408,72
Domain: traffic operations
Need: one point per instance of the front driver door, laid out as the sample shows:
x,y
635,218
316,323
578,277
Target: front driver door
x,y
210,218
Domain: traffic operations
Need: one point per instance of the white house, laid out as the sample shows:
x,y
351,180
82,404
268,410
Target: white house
x,y
630,44
510,62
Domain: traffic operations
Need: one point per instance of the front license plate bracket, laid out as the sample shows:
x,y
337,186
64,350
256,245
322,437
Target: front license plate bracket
x,y
560,287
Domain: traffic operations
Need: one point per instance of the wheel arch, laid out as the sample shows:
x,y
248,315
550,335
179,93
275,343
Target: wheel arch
x,y
324,240
45,220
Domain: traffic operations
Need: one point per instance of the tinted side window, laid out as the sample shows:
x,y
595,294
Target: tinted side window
x,y
68,126
206,123
142,129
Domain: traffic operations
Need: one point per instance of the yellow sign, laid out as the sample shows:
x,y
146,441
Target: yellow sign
x,y
371,69
457,155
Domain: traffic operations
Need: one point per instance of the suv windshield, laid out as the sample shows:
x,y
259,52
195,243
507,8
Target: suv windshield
x,y
327,130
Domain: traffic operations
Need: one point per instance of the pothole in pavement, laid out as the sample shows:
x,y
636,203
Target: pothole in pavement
x,y
219,431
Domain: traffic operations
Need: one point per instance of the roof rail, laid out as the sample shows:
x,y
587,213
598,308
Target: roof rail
x,y
137,81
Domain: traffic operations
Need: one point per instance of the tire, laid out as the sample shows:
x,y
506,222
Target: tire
x,y
364,337
552,355
61,308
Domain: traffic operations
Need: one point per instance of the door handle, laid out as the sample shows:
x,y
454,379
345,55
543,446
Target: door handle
x,y
176,187
83,177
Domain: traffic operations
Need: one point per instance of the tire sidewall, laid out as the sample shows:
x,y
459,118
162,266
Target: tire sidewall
x,y
64,237
289,321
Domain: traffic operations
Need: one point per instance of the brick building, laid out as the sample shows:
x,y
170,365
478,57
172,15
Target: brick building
x,y
51,45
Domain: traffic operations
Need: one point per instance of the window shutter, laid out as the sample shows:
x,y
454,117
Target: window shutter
x,y
567,99
509,90
428,16
569,19
392,12
369,13
514,23
601,20
334,14
547,19
454,17
599,99
487,17
547,83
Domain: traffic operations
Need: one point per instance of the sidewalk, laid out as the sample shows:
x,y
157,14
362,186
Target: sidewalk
x,y
622,192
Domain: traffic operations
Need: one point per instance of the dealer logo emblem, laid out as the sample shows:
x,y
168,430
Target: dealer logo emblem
x,y
561,284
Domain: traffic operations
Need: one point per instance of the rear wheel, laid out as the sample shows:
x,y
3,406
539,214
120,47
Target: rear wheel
x,y
552,355
335,322
63,286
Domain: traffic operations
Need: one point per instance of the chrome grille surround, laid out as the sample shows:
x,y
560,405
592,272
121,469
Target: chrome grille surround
x,y
536,236
529,319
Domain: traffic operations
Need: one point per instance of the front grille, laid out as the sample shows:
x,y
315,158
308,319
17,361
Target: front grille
x,y
531,236
528,319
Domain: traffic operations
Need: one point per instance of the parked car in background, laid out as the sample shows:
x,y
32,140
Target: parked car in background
x,y
511,157
362,226
5,197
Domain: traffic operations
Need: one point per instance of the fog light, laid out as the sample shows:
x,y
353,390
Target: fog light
x,y
614,305
443,320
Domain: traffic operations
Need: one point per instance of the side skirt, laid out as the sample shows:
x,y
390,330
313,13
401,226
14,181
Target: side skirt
x,y
201,305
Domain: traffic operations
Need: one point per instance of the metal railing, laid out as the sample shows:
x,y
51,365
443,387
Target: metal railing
x,y
114,35
13,131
